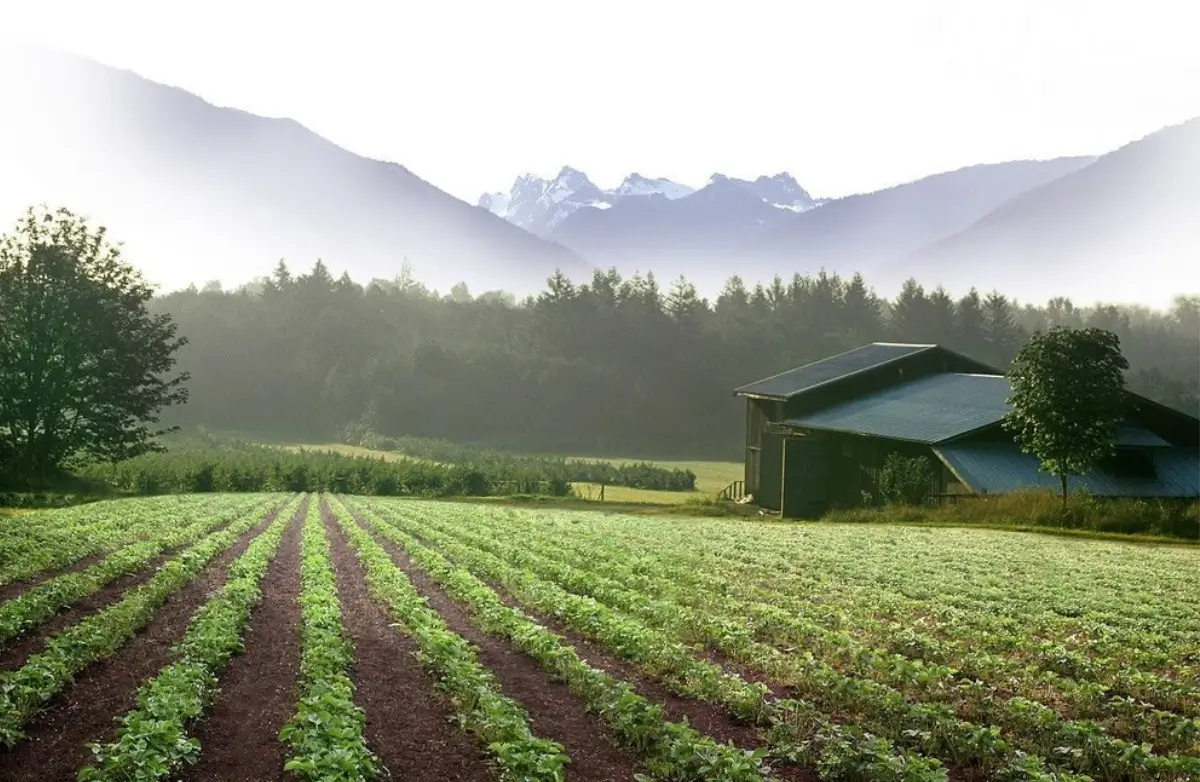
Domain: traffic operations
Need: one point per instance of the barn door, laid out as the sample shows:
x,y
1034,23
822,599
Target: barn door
x,y
805,477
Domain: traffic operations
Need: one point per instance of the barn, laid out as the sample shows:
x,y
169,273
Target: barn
x,y
817,435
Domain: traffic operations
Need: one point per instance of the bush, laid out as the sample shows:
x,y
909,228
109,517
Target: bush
x,y
905,480
524,471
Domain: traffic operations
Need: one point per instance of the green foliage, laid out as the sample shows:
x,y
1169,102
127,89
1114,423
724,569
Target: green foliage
x,y
905,480
325,735
1043,509
228,466
607,367
69,651
84,364
152,741
524,468
1068,399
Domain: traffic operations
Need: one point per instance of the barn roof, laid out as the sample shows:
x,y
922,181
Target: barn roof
x,y
818,373
935,409
1000,467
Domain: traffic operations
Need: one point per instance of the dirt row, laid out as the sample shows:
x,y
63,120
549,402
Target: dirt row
x,y
56,739
409,721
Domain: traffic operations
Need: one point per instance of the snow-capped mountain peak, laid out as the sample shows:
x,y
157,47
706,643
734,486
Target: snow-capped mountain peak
x,y
539,205
637,185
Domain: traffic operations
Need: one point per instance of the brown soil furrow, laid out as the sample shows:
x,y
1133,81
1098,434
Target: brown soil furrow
x,y
15,588
554,711
24,646
408,721
56,739
239,737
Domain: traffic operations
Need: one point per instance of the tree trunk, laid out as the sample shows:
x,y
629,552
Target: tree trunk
x,y
1063,479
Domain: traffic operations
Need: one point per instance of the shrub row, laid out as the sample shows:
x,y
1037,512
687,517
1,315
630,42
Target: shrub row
x,y
640,475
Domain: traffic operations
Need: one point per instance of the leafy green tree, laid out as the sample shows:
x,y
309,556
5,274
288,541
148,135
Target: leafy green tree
x,y
83,363
1068,398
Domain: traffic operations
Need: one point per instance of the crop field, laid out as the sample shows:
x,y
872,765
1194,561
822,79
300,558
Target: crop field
x,y
330,637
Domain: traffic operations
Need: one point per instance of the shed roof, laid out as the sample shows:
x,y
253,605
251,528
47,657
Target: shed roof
x,y
934,409
805,378
1001,467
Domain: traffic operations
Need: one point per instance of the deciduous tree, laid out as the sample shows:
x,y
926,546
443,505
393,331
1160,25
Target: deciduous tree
x,y
84,366
1068,398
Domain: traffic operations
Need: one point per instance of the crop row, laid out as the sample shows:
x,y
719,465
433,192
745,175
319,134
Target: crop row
x,y
152,741
49,540
500,722
1081,745
325,735
996,643
23,691
934,730
1051,622
840,752
972,698
34,606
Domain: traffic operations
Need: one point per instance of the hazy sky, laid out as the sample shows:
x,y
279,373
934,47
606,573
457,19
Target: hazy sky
x,y
846,95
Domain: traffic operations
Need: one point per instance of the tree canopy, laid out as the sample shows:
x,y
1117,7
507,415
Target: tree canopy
x,y
615,365
84,363
1068,398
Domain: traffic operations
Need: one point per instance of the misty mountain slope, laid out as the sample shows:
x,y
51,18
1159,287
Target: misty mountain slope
x,y
200,192
695,235
1126,227
859,232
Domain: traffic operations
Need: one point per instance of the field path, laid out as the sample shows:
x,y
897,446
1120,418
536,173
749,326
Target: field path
x,y
239,736
56,743
554,711
407,723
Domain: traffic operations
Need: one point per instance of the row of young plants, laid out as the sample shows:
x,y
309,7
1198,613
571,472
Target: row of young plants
x,y
965,681
936,730
48,540
325,735
840,752
717,620
23,691
963,584
152,741
883,618
33,607
479,706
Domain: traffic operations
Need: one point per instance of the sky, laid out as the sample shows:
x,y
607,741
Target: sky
x,y
848,96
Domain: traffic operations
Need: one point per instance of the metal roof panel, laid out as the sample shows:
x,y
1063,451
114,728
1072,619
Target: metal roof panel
x,y
809,376
1002,467
927,410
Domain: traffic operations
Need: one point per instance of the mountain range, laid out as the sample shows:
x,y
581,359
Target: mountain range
x,y
202,192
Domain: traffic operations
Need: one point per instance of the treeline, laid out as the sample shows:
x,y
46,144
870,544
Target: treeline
x,y
638,475
198,467
609,368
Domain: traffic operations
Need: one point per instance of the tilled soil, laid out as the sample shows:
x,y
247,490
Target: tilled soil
x,y
408,721
555,712
239,736
56,739
15,588
19,649
708,718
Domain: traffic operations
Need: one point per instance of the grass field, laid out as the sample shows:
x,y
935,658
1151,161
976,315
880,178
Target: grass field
x,y
321,637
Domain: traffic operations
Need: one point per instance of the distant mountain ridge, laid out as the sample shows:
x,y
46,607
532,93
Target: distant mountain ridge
x,y
542,205
203,192
1129,222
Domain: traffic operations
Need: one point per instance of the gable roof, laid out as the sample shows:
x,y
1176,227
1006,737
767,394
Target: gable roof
x,y
935,409
818,373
